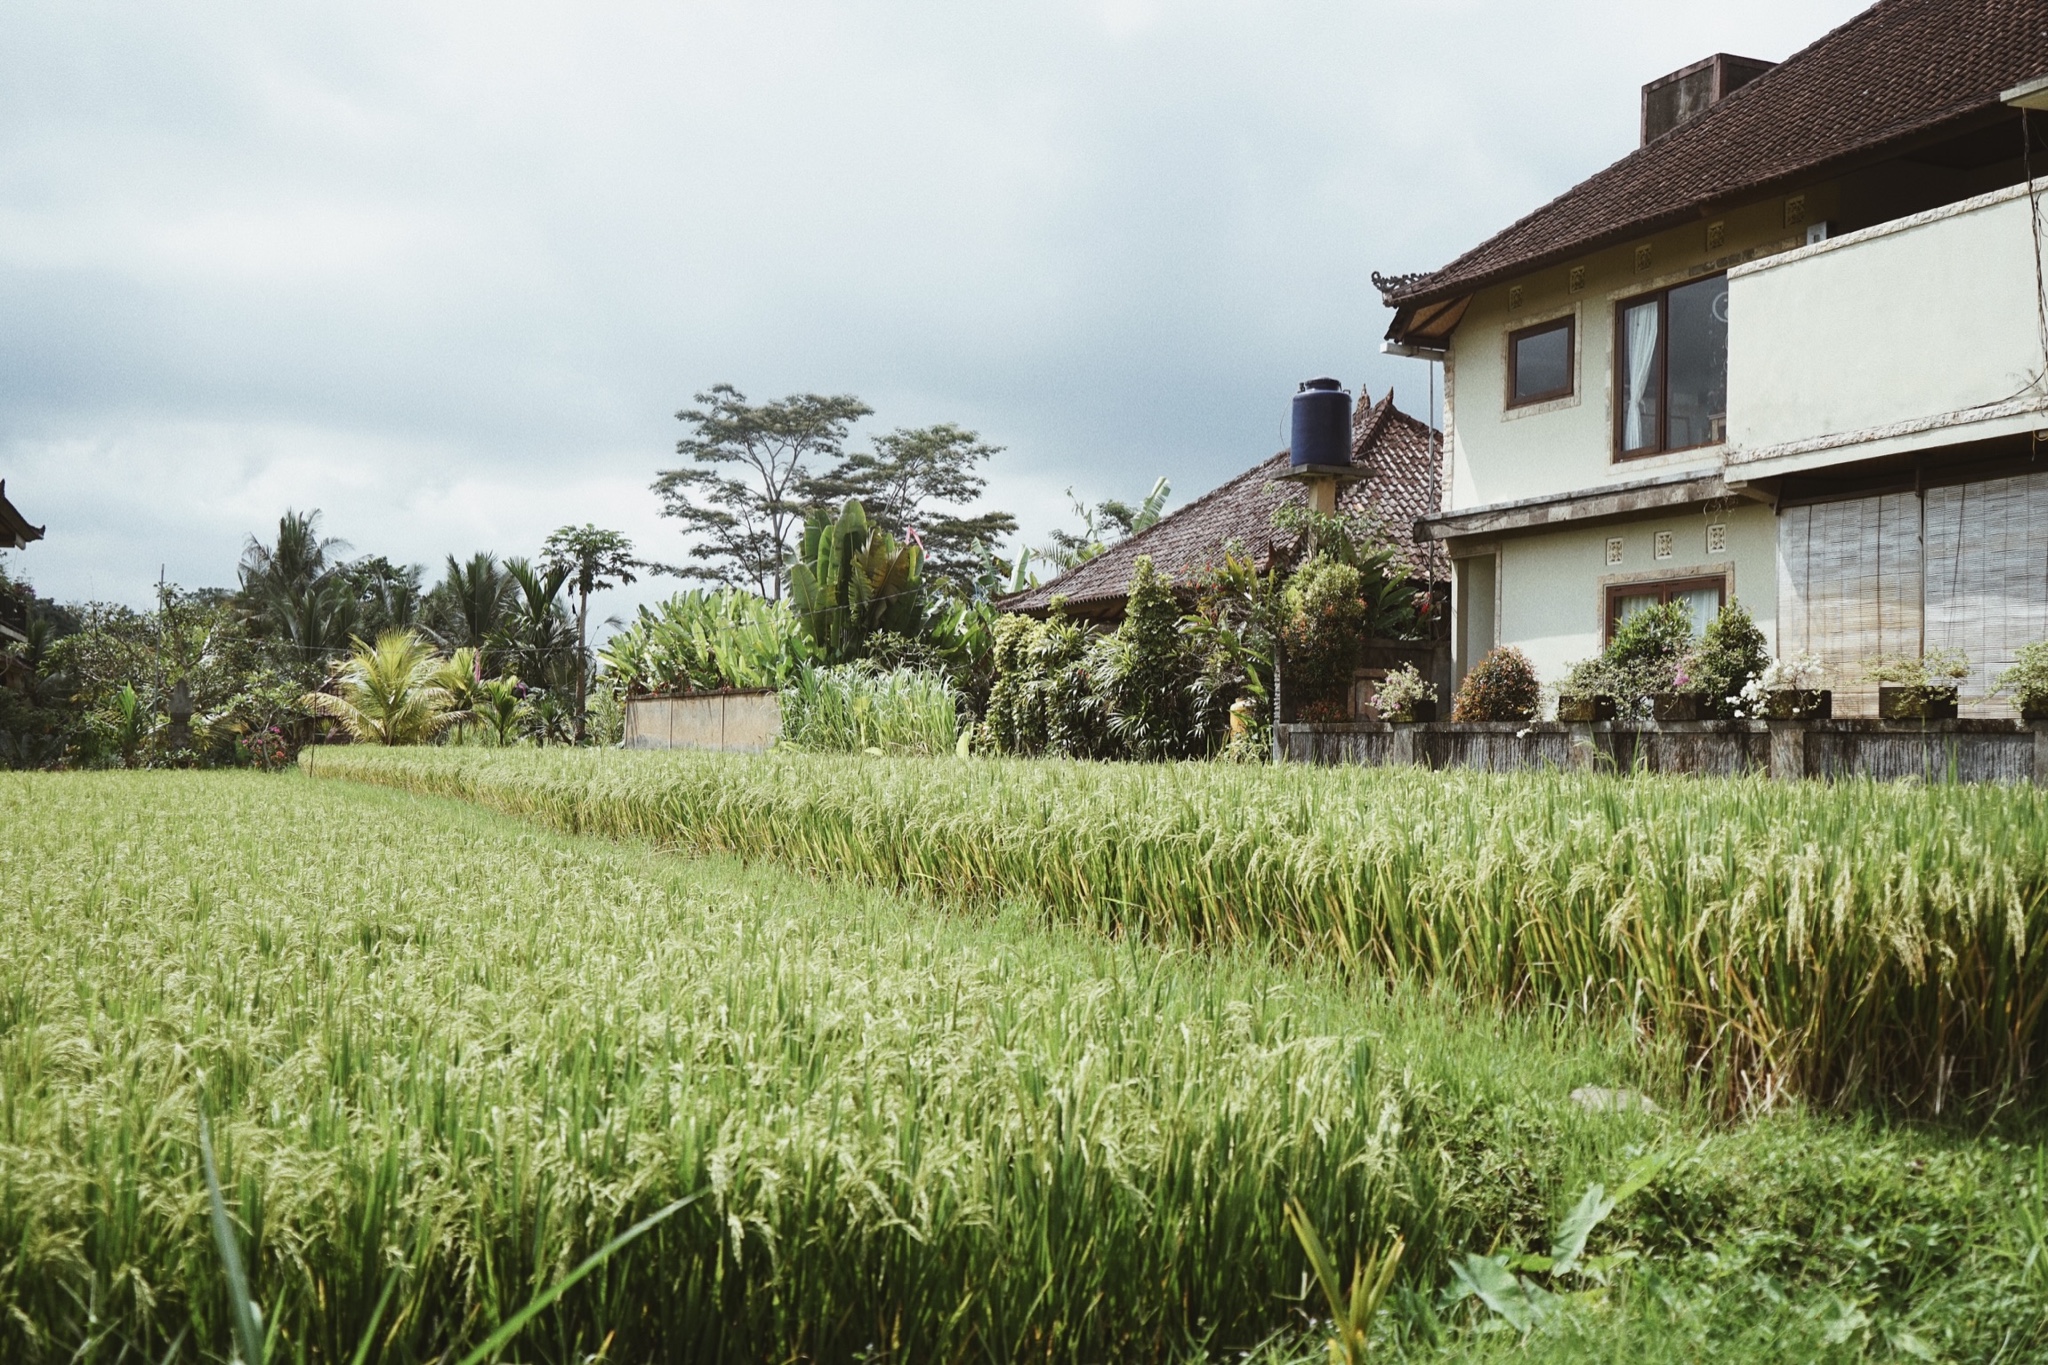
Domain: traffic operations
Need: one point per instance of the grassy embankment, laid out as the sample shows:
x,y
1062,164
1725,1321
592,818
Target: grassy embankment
x,y
451,1052
1842,943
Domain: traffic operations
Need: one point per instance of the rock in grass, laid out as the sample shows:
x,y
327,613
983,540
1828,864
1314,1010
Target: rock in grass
x,y
1598,1099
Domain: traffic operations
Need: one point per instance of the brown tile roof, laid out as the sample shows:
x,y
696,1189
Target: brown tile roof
x,y
1402,486
1891,75
15,532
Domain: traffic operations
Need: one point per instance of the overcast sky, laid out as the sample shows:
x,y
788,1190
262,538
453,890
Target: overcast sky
x,y
446,272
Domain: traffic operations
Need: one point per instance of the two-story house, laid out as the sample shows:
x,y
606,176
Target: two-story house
x,y
1792,350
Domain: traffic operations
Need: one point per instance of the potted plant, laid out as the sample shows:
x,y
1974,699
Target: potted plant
x,y
1792,689
1404,698
1682,702
1922,688
2027,680
1586,693
1723,668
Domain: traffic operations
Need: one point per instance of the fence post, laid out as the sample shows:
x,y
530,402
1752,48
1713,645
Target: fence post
x,y
2040,728
1788,750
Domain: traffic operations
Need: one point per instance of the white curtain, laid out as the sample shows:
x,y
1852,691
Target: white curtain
x,y
1703,603
1641,325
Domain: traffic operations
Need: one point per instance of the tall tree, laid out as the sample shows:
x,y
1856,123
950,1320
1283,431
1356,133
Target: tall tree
x,y
293,593
468,606
592,559
743,493
905,484
535,627
388,596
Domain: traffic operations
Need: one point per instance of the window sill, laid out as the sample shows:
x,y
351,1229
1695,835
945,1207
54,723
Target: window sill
x,y
1537,409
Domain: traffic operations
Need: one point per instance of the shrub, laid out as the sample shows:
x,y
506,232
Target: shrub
x,y
1501,686
2027,679
1324,618
1936,674
1732,655
1145,673
1399,691
1645,657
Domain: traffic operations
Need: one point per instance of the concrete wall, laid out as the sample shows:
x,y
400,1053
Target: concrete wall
x,y
1910,334
1553,586
721,722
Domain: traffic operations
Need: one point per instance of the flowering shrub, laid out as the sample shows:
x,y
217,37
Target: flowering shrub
x,y
2027,679
1501,686
1729,658
1399,691
1936,675
1323,621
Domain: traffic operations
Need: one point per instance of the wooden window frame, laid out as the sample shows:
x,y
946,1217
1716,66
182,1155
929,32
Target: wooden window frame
x,y
1663,587
1569,325
1621,307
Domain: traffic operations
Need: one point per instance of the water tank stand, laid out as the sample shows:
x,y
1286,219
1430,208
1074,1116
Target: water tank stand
x,y
1323,481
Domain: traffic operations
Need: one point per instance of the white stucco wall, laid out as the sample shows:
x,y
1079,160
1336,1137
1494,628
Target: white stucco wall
x,y
1917,326
1502,454
1553,587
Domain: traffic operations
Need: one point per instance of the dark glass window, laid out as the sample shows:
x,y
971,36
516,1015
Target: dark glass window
x,y
1671,369
1540,362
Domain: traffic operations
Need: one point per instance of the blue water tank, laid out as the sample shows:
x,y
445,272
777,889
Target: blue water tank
x,y
1320,433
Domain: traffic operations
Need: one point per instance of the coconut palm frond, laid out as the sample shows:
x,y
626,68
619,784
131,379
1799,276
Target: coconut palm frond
x,y
390,692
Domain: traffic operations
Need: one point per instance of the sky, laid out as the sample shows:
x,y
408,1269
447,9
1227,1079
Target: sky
x,y
447,272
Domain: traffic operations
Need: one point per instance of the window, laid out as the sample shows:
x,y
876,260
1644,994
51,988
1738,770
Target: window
x,y
1540,363
1702,596
1671,369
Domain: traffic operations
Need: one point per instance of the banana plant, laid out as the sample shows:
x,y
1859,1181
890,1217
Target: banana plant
x,y
852,579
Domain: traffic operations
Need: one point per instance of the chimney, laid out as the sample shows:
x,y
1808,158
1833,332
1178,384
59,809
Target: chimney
x,y
1679,98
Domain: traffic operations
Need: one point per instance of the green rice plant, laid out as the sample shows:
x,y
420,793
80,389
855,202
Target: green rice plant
x,y
448,1057
1843,943
854,708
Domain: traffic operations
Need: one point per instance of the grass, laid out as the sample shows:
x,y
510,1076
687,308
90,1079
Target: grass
x,y
1846,943
456,1053
852,708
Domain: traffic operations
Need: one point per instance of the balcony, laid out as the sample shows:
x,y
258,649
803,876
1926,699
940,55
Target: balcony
x,y
1911,335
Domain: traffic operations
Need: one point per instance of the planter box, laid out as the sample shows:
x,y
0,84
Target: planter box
x,y
1585,710
1911,703
1799,703
1420,713
1672,706
2034,712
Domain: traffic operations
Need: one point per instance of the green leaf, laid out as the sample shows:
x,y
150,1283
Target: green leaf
x,y
1570,1243
247,1317
1521,1304
510,1327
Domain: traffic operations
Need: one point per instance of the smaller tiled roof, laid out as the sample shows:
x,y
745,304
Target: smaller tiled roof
x,y
15,532
1893,74
1402,486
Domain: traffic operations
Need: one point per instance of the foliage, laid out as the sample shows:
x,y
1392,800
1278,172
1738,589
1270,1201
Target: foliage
x,y
1396,606
904,484
386,692
1646,657
2027,679
1102,526
1731,656
1400,691
1044,699
1146,674
1351,1315
294,593
1936,674
854,708
701,641
1841,942
851,579
1231,633
470,606
1324,625
499,708
1502,686
744,520
533,637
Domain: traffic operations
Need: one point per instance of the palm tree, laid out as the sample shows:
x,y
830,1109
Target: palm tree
x,y
469,605
295,592
594,559
536,625
388,693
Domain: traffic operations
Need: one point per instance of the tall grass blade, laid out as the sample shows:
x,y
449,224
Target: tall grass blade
x,y
246,1316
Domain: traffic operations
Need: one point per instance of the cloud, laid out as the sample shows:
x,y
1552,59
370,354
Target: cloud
x,y
447,272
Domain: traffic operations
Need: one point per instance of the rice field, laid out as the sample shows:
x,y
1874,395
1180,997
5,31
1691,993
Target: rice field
x,y
1845,943
446,1053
